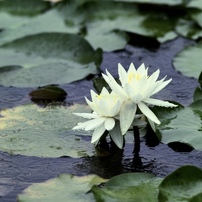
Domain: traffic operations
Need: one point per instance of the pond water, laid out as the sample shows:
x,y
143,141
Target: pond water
x,y
18,172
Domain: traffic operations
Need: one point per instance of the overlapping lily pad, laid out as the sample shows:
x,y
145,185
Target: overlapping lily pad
x,y
44,132
106,18
63,188
184,184
189,60
181,125
44,59
23,7
129,187
60,20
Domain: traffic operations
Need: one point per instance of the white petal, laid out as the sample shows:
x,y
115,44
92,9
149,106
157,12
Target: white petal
x,y
116,135
114,85
122,74
93,106
132,69
104,91
127,115
161,84
142,70
109,123
93,95
87,115
80,126
148,113
97,134
152,124
94,123
157,102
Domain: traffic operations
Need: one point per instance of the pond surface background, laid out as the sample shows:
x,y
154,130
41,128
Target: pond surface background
x,y
17,172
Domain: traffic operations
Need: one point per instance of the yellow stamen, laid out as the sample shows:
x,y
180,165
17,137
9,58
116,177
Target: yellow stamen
x,y
132,75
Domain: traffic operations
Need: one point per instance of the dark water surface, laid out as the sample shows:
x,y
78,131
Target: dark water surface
x,y
17,172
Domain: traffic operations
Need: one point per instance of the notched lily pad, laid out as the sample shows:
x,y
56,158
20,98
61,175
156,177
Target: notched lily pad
x,y
181,125
63,188
44,132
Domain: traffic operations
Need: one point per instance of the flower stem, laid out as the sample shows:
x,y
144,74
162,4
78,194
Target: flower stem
x,y
136,140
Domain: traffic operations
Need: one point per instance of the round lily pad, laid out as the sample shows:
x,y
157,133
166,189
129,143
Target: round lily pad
x,y
44,132
63,188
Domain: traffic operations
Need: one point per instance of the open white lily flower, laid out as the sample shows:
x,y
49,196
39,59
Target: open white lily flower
x,y
136,89
106,108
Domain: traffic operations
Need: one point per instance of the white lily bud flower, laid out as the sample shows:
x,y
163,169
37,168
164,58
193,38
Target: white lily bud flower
x,y
136,90
106,108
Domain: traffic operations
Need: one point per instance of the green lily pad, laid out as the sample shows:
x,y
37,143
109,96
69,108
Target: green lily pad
x,y
63,188
189,29
48,93
198,90
52,58
161,2
45,132
197,17
23,7
181,125
54,20
189,60
129,187
184,184
195,4
106,18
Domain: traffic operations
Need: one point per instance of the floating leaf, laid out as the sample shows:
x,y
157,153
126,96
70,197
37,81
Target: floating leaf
x,y
63,188
195,4
189,29
106,19
161,2
198,90
55,20
45,132
48,93
24,7
52,58
129,187
184,184
189,60
181,125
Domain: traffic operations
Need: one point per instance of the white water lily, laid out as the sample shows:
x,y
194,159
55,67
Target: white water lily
x,y
136,90
106,108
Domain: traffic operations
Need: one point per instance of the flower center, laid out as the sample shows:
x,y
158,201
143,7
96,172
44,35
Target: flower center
x,y
136,76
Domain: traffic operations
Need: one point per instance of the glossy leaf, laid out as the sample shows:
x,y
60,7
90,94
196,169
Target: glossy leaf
x,y
45,132
184,184
24,7
129,187
55,20
181,125
71,58
189,60
106,18
63,188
